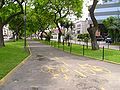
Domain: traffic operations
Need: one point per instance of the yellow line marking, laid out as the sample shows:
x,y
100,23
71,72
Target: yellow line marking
x,y
100,69
64,63
55,75
85,66
81,74
60,60
64,69
94,69
94,73
65,76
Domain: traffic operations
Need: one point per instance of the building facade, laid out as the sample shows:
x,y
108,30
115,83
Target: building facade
x,y
103,11
80,27
107,9
6,32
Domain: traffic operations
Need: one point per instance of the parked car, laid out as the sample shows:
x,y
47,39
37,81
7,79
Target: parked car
x,y
108,40
99,38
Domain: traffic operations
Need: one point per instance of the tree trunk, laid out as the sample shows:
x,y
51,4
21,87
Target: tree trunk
x,y
1,36
17,34
13,36
38,35
59,34
94,44
41,36
92,30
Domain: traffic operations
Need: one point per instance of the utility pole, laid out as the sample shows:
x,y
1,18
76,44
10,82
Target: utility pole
x,y
25,26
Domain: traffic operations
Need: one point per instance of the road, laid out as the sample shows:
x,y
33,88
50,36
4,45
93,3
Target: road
x,y
51,69
101,44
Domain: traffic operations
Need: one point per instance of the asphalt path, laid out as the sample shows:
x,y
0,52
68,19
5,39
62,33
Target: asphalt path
x,y
52,69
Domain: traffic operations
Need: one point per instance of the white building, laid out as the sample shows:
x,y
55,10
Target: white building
x,y
81,24
107,9
6,32
80,27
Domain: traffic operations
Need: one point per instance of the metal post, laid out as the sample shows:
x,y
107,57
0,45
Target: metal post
x,y
58,44
103,54
70,47
108,45
83,50
119,47
51,44
25,27
63,45
54,43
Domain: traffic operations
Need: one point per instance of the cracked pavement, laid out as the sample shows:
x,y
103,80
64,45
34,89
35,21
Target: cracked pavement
x,y
52,69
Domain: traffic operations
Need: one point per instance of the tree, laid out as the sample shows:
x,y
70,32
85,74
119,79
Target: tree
x,y
16,25
60,9
8,10
92,29
43,18
113,26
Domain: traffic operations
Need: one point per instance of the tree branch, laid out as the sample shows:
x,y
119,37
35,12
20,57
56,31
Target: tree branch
x,y
91,10
2,3
13,15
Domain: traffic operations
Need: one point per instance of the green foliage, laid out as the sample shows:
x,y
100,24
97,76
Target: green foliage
x,y
113,26
10,7
48,13
59,9
110,55
16,22
83,37
9,58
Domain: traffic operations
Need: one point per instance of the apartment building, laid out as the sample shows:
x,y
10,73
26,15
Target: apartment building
x,y
107,9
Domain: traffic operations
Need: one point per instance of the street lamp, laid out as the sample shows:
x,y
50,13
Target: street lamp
x,y
25,26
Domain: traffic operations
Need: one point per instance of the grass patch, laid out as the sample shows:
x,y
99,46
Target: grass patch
x,y
10,56
109,55
118,43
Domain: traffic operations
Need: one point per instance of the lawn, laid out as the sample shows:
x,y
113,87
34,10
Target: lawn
x,y
10,56
109,54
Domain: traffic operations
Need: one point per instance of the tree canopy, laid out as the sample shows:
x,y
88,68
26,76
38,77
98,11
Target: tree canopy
x,y
8,10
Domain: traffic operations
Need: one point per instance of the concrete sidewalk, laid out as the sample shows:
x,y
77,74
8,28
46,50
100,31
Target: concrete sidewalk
x,y
51,69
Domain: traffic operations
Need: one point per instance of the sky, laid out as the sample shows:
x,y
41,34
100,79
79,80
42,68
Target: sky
x,y
85,10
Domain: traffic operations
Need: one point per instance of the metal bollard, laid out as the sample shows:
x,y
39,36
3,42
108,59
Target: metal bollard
x,y
58,44
83,50
70,47
63,45
103,54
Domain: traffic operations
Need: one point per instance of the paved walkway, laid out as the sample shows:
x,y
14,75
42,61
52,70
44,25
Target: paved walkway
x,y
51,69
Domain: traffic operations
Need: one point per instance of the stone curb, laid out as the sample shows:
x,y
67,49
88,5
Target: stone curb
x,y
4,79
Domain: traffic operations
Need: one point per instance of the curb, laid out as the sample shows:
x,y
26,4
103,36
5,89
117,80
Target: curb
x,y
4,79
112,62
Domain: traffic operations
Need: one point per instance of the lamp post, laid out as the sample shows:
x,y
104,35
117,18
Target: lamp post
x,y
25,26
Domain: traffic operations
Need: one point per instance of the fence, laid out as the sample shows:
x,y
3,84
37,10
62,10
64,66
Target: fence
x,y
101,54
